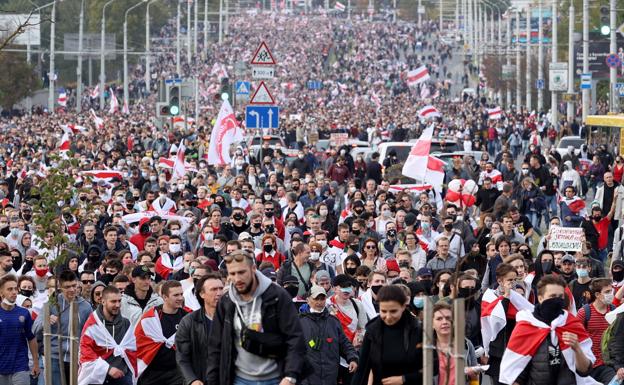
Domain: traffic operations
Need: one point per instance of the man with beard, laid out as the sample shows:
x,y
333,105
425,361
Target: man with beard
x,y
98,364
255,336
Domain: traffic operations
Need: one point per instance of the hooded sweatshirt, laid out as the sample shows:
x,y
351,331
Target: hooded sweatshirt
x,y
250,366
117,329
96,284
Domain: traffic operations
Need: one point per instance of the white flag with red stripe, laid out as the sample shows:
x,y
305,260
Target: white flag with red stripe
x,y
493,315
114,103
125,109
422,166
339,6
103,174
62,99
97,345
99,122
495,113
149,339
428,112
178,166
65,143
95,92
529,333
417,76
73,128
225,132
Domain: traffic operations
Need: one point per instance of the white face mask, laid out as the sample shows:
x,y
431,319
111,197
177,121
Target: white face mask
x,y
7,302
174,248
208,236
323,213
314,256
608,299
322,243
218,248
175,232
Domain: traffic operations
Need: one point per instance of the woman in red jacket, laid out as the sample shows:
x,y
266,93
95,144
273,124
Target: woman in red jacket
x,y
269,252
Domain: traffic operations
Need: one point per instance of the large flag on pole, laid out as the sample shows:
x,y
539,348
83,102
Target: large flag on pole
x,y
495,113
428,112
225,132
339,6
178,166
422,166
114,103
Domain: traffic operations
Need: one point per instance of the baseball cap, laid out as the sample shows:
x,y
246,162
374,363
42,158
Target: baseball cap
x,y
567,258
424,271
244,235
290,279
269,273
316,291
141,271
342,280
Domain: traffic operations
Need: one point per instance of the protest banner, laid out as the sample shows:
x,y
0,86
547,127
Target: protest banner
x,y
566,238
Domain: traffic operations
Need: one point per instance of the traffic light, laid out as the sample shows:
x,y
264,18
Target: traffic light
x,y
173,99
605,21
225,93
162,110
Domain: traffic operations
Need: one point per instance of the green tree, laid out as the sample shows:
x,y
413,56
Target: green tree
x,y
18,79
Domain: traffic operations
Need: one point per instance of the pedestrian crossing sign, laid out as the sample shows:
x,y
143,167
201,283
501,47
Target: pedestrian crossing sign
x,y
242,88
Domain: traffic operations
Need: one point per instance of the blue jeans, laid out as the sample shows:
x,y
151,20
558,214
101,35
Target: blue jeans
x,y
241,381
551,207
56,372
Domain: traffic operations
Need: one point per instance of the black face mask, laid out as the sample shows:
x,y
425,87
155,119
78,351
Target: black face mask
x,y
17,261
356,232
618,275
375,289
350,270
427,283
93,257
268,248
547,267
391,233
355,247
550,309
256,225
292,290
448,227
238,217
270,229
268,214
597,217
26,292
404,264
465,292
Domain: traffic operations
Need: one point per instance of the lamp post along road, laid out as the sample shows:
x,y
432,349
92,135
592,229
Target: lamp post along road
x,y
528,61
125,50
102,48
585,91
178,40
613,99
518,76
51,80
79,66
554,108
540,56
570,105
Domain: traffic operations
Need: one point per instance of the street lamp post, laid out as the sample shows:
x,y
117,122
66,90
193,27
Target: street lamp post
x,y
51,79
570,105
147,48
540,56
102,47
79,66
518,78
613,98
125,48
585,91
178,40
205,50
529,94
554,108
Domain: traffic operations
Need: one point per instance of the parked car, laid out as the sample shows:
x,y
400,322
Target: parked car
x,y
566,141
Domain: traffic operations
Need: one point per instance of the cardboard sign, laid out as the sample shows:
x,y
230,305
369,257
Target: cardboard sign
x,y
566,238
338,138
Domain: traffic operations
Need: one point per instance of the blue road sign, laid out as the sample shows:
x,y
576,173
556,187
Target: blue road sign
x,y
314,85
613,60
619,87
539,84
586,81
262,117
242,88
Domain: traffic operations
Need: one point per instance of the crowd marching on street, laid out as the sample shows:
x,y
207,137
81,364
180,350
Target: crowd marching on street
x,y
206,253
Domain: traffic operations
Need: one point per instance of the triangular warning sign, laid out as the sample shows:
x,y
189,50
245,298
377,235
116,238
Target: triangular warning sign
x,y
262,95
242,88
263,56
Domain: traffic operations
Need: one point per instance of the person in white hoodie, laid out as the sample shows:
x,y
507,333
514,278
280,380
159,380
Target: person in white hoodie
x,y
569,177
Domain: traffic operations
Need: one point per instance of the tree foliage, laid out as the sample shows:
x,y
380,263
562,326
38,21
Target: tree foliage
x,y
18,79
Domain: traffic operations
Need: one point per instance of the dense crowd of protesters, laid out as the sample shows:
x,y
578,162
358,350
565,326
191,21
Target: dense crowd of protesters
x,y
314,269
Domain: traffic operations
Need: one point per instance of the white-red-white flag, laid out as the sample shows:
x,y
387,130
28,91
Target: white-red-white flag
x,y
95,92
150,338
419,75
425,92
422,166
178,166
99,122
65,143
114,103
62,99
125,109
428,112
493,315
495,113
339,6
225,132
529,334
73,128
375,99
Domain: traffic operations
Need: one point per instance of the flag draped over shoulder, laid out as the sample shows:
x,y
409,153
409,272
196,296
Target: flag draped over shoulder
x,y
149,339
493,315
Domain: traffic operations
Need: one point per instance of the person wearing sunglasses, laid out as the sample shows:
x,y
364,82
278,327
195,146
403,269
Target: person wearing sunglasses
x,y
256,323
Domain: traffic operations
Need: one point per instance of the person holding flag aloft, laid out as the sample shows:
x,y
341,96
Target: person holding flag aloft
x,y
548,346
107,344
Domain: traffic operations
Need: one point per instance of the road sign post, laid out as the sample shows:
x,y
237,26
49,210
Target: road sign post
x,y
263,117
586,81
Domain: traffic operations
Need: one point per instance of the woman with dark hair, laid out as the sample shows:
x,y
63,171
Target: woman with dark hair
x,y
370,256
391,351
329,222
440,283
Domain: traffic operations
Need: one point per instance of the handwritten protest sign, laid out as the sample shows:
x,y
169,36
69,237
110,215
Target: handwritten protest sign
x,y
338,138
566,238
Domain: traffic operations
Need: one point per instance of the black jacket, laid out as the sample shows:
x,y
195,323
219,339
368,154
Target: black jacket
x,y
278,316
191,342
537,372
616,344
372,349
326,343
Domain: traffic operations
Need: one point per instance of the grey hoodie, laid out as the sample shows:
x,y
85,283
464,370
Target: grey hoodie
x,y
250,366
84,310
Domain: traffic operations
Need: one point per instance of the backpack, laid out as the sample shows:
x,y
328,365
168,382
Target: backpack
x,y
588,314
607,339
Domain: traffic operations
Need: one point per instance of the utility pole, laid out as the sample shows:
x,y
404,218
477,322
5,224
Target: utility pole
x,y
220,21
195,26
518,78
441,13
554,108
51,75
508,61
528,61
419,14
102,58
613,99
79,66
178,67
206,28
585,92
147,48
540,57
570,105
188,32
